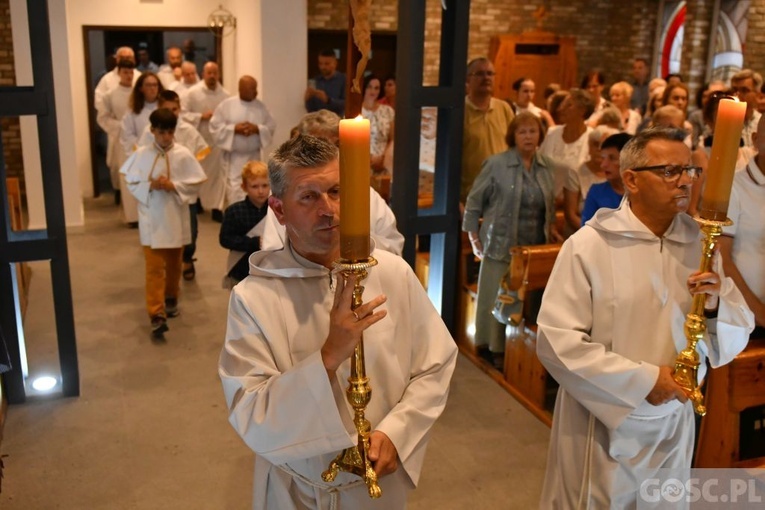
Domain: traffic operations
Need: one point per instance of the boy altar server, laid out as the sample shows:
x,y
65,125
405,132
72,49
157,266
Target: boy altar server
x,y
164,178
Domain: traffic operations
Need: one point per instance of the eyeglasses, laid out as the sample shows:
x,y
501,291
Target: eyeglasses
x,y
483,74
672,173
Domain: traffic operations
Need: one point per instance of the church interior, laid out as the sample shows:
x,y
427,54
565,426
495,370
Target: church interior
x,y
133,423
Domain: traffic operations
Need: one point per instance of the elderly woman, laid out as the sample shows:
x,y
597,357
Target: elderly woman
x,y
380,123
621,94
514,194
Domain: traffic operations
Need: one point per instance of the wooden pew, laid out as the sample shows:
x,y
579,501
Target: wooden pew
x,y
731,390
530,268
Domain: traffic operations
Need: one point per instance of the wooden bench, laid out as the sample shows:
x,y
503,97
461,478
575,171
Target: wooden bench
x,y
530,268
732,389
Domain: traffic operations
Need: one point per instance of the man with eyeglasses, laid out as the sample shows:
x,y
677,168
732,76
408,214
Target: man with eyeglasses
x,y
745,85
742,245
611,326
486,122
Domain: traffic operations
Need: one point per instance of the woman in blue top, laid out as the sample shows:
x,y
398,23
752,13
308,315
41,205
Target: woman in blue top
x,y
607,194
514,194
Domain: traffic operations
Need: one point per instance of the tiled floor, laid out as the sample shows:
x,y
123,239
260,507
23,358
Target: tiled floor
x,y
149,430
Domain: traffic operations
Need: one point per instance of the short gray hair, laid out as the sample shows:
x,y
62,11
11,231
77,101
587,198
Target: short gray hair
x,y
633,154
303,151
323,123
745,74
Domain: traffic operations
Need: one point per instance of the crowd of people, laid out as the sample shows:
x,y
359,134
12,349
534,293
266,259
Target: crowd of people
x,y
623,171
627,173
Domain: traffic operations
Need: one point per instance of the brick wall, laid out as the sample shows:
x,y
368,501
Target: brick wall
x,y
754,49
698,20
609,34
11,133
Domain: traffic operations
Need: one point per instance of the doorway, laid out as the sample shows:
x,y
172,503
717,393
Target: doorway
x,y
100,44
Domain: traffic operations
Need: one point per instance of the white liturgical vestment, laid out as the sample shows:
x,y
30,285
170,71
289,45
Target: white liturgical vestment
x,y
195,102
114,106
613,312
294,417
238,149
163,216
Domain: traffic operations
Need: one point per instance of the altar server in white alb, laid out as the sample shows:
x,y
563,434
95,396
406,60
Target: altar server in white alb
x,y
611,326
197,106
290,335
164,178
241,127
113,106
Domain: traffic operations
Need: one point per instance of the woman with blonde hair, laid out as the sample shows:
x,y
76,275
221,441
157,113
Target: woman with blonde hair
x,y
621,94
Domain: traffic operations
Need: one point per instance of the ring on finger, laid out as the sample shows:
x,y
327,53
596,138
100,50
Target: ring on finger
x,y
356,315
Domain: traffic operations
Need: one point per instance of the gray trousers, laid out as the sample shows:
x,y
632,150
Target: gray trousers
x,y
487,330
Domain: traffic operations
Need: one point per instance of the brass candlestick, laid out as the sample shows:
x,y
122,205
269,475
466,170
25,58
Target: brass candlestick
x,y
356,458
687,362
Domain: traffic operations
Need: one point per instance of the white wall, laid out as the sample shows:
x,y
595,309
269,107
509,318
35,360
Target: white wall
x,y
270,42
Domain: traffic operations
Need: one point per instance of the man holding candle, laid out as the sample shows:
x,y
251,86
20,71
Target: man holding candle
x,y
611,326
291,332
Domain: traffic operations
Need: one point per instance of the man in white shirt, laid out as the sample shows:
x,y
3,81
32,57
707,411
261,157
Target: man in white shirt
x,y
199,103
241,126
611,326
743,244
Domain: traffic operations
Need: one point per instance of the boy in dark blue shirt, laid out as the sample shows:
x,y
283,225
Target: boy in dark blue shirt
x,y
243,222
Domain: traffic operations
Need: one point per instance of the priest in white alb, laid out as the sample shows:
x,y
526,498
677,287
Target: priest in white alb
x,y
291,332
611,327
113,106
197,106
241,126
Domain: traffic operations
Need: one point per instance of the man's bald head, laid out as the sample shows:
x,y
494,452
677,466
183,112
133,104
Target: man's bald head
x,y
125,53
210,75
189,73
174,56
248,88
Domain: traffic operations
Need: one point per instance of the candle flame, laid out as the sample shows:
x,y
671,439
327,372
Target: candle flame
x,y
359,117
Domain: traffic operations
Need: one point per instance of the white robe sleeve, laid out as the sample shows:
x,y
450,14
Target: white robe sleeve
x,y
267,128
106,118
187,177
384,231
129,134
137,185
434,355
221,130
282,416
729,332
609,385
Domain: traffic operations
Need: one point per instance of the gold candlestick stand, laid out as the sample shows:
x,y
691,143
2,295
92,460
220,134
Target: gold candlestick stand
x,y
356,458
687,362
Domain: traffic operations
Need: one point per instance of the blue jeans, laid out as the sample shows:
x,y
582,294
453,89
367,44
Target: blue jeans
x,y
190,249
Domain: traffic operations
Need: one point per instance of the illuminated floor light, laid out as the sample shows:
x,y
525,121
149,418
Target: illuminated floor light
x,y
44,383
